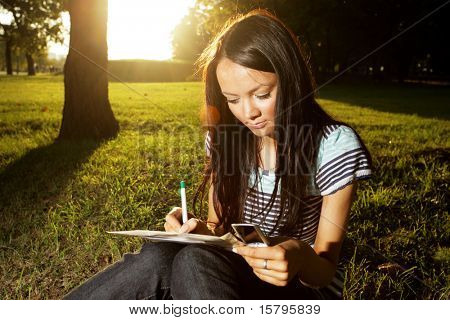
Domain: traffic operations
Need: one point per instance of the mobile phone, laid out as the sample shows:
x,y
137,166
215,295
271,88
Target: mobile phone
x,y
250,234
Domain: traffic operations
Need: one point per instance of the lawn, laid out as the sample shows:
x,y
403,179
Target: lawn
x,y
57,200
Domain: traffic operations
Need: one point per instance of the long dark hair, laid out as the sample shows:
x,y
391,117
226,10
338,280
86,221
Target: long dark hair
x,y
260,41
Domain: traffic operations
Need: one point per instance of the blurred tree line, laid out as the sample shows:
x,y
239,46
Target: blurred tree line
x,y
32,24
338,33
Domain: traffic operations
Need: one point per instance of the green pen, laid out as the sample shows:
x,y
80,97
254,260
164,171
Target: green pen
x,y
183,202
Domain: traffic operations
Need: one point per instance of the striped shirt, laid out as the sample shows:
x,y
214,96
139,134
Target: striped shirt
x,y
340,161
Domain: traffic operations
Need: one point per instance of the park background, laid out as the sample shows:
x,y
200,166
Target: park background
x,y
98,136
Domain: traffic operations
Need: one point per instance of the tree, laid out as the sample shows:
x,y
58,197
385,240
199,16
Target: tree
x,y
203,20
188,39
33,23
338,33
6,36
87,112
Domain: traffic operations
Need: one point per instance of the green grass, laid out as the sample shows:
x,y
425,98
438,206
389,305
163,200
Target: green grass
x,y
57,200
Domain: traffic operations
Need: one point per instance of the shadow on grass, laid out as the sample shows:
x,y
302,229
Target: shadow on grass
x,y
425,101
33,183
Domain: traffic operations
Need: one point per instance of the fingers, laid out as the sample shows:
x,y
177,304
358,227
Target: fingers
x,y
281,276
276,271
189,226
275,265
176,211
273,253
169,228
269,279
173,219
174,222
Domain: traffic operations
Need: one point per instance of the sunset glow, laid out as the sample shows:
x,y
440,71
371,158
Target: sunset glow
x,y
138,29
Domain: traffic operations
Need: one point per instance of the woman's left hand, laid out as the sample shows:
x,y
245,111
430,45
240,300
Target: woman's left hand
x,y
276,264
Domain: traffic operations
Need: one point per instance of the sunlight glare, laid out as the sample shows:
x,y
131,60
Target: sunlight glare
x,y
137,29
141,29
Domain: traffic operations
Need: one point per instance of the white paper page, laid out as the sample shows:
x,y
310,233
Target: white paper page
x,y
226,241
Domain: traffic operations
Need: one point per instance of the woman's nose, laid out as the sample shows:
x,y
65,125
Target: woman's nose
x,y
250,112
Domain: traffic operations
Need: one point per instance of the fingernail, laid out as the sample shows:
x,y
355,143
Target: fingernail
x,y
234,250
184,228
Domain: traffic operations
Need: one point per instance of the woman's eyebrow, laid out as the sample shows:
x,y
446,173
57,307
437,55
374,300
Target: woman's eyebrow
x,y
251,91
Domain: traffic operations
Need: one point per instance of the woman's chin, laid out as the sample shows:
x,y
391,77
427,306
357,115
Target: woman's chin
x,y
263,132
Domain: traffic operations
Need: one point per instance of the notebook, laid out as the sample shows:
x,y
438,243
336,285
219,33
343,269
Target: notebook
x,y
226,241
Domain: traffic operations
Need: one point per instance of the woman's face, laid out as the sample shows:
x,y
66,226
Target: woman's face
x,y
251,95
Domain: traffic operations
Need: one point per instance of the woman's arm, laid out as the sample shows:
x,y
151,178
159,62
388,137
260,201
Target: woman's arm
x,y
318,265
314,267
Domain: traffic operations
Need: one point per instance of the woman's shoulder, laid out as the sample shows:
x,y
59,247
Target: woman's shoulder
x,y
337,138
335,132
341,159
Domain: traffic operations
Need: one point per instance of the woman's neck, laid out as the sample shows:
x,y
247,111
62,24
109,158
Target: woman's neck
x,y
268,153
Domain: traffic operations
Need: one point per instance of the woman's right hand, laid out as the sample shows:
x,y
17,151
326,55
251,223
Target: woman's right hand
x,y
193,225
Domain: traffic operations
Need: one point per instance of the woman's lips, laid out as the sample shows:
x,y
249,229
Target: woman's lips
x,y
259,125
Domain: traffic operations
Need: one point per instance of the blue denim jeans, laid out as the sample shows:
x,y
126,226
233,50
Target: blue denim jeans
x,y
167,270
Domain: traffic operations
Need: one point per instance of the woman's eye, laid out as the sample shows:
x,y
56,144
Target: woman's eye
x,y
233,101
264,96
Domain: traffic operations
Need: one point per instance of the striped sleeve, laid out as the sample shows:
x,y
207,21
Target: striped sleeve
x,y
207,144
341,160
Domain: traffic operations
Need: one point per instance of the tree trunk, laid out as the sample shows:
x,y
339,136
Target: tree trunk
x,y
87,112
30,64
8,58
17,64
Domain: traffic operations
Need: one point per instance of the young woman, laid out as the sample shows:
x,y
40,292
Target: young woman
x,y
275,159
